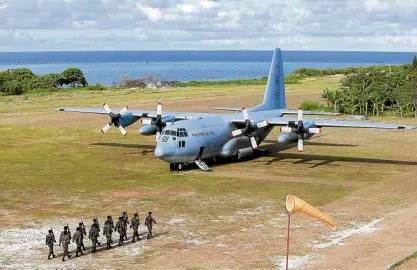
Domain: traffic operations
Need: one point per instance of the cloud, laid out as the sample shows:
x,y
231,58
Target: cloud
x,y
208,24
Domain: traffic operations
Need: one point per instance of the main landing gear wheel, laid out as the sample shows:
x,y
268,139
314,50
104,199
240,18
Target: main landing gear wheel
x,y
172,166
176,166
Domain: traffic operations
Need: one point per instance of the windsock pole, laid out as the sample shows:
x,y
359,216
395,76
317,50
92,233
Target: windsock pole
x,y
288,240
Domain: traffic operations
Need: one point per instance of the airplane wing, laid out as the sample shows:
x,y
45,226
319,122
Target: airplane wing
x,y
283,121
141,113
308,112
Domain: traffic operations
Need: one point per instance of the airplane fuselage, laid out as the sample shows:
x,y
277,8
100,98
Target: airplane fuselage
x,y
208,137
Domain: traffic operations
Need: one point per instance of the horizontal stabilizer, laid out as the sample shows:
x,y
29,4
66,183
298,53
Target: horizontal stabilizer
x,y
308,112
227,109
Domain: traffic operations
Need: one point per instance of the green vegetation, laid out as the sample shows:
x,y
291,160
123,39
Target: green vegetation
x,y
22,80
318,72
411,256
376,91
289,79
315,106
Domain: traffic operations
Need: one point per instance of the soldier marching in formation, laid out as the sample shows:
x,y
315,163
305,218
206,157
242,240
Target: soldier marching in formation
x,y
65,241
83,232
148,223
120,228
125,218
93,234
50,240
134,224
107,231
78,239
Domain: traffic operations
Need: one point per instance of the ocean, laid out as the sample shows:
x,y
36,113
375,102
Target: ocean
x,y
107,67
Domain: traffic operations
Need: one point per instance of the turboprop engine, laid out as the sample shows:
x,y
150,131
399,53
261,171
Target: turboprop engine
x,y
120,120
148,130
240,146
298,131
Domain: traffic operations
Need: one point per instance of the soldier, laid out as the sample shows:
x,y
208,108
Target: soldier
x,y
134,223
66,229
65,241
120,228
50,240
92,234
83,232
96,229
110,221
125,222
107,231
78,239
148,223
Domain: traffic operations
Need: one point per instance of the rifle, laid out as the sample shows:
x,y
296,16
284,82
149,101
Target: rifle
x,y
69,232
53,235
84,231
98,224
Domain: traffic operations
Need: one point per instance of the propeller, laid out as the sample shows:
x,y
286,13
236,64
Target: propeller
x,y
157,122
114,119
249,129
299,128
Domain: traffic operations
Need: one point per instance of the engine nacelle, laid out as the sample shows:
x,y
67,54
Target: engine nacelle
x,y
232,147
148,130
127,119
244,152
293,137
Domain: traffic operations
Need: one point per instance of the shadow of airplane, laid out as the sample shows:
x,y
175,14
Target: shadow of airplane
x,y
138,146
115,245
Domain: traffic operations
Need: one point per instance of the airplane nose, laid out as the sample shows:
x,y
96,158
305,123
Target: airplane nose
x,y
159,152
163,152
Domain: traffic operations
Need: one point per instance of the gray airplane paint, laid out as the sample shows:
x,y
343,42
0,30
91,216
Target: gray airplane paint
x,y
190,136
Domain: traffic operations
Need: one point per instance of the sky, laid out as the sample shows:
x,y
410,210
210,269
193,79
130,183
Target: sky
x,y
338,25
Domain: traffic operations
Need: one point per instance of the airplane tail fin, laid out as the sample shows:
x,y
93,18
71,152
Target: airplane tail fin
x,y
274,97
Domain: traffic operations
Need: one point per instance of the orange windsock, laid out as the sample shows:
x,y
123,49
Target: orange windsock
x,y
294,204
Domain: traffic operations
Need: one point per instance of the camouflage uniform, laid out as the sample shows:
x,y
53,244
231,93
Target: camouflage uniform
x,y
134,224
148,223
120,228
125,218
92,234
110,222
107,231
50,240
96,229
83,232
78,239
65,241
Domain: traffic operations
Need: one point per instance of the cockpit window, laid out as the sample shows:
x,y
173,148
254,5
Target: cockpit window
x,y
181,132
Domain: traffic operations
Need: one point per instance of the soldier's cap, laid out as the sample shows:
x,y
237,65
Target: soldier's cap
x,y
78,229
80,223
50,231
95,220
124,212
108,216
136,214
65,227
150,213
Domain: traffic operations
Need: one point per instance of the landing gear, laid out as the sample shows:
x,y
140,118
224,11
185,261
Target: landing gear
x,y
172,166
176,166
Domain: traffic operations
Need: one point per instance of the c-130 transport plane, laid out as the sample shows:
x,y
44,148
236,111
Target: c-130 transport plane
x,y
187,137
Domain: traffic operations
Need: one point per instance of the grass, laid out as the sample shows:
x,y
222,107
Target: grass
x,y
406,259
56,166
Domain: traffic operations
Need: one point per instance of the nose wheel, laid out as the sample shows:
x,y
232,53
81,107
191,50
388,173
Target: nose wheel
x,y
176,166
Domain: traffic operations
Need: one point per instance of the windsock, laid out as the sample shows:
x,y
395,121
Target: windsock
x,y
294,204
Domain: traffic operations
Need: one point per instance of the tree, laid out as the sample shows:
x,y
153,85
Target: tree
x,y
415,62
12,87
74,77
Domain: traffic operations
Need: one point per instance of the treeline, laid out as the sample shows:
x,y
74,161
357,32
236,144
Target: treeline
x,y
376,90
318,72
22,80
